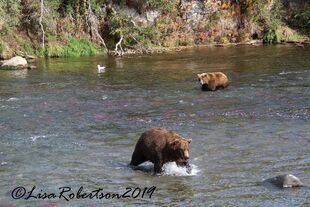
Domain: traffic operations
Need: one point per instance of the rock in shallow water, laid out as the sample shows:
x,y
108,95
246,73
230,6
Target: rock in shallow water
x,y
14,63
284,181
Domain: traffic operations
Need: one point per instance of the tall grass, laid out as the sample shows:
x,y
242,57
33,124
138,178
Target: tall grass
x,y
74,48
1,46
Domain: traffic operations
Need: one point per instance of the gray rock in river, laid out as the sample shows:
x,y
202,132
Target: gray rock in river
x,y
284,181
15,63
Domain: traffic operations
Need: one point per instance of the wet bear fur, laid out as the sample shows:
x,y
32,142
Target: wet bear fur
x,y
160,146
213,81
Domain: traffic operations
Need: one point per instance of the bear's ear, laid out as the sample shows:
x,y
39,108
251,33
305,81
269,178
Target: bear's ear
x,y
189,141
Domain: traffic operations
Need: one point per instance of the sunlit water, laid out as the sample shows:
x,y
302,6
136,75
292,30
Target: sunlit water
x,y
63,124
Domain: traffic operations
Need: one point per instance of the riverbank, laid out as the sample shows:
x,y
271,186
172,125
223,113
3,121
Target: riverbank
x,y
83,47
182,48
82,28
152,51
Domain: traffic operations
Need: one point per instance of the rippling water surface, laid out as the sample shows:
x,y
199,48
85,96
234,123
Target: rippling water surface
x,y
62,124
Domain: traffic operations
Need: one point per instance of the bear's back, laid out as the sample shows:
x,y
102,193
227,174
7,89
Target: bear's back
x,y
155,137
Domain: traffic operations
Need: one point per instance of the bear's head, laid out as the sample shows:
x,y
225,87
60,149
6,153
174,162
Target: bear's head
x,y
203,78
180,148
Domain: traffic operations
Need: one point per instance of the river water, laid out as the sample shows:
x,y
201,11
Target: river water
x,y
64,125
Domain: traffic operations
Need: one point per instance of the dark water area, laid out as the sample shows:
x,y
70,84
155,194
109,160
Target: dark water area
x,y
63,124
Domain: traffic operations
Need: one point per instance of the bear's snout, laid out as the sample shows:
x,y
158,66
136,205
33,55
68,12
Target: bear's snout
x,y
186,154
201,81
182,162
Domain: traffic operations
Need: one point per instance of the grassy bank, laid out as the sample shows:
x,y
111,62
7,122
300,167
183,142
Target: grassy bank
x,y
72,47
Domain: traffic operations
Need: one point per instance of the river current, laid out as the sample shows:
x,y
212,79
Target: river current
x,y
65,125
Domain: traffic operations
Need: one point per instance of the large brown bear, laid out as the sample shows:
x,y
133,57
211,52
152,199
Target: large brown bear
x,y
213,81
161,146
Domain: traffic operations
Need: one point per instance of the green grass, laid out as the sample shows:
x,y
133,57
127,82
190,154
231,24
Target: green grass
x,y
287,34
74,48
27,49
55,50
1,46
162,5
270,37
81,47
39,51
296,37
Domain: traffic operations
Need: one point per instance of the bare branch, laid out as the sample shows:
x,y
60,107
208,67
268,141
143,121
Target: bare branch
x,y
41,25
92,23
119,44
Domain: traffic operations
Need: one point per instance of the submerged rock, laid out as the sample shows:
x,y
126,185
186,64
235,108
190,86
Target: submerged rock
x,y
284,181
15,63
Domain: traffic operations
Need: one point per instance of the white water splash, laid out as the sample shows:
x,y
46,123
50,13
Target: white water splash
x,y
290,72
34,138
171,168
13,99
3,163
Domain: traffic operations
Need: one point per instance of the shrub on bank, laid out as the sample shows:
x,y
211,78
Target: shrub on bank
x,y
301,20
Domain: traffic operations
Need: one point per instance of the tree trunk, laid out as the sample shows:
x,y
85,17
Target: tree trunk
x,y
119,44
92,23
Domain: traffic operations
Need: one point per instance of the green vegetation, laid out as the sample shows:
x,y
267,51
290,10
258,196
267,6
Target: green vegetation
x,y
26,48
119,26
148,36
214,17
9,15
270,36
162,5
296,37
1,46
301,20
257,11
74,48
144,5
269,20
88,27
133,35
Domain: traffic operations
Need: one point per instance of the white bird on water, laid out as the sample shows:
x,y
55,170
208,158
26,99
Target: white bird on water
x,y
101,69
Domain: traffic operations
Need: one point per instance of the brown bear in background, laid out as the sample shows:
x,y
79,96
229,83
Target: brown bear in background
x,y
161,146
213,81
